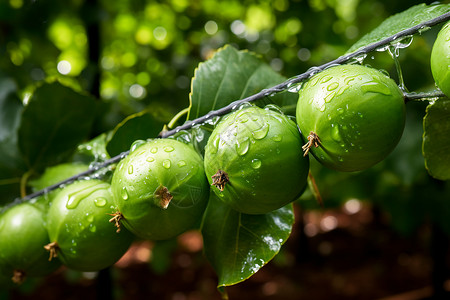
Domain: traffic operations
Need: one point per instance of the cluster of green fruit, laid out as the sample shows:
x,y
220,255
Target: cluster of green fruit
x,y
349,117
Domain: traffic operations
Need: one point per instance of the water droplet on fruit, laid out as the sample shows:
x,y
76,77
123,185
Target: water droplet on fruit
x,y
166,163
93,228
335,134
375,87
75,198
329,97
340,158
181,163
243,146
261,132
130,169
340,110
136,144
124,193
332,86
326,79
277,138
168,148
100,202
150,159
154,150
329,117
256,163
90,218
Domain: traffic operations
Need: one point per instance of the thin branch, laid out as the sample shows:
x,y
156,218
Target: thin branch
x,y
262,94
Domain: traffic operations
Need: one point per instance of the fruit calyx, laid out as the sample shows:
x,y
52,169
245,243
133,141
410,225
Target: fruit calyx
x,y
53,249
220,179
163,196
18,277
116,218
313,140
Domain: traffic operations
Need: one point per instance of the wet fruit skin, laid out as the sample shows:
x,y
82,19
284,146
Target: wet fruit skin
x,y
78,222
160,189
440,60
258,150
23,236
357,113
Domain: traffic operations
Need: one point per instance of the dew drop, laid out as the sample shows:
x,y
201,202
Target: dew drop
x,y
93,228
330,97
130,169
136,144
256,163
332,86
124,193
335,134
90,218
261,132
168,148
277,138
243,146
214,146
100,202
166,163
181,163
150,159
326,79
329,117
154,150
340,110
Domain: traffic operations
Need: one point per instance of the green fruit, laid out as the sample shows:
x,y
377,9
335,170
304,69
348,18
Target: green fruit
x,y
440,60
78,228
23,236
352,116
160,189
253,161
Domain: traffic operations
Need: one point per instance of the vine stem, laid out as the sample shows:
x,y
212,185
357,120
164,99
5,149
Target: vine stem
x,y
262,94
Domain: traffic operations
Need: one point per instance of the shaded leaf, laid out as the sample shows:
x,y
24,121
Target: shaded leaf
x,y
409,18
238,245
139,126
436,139
53,123
233,75
11,163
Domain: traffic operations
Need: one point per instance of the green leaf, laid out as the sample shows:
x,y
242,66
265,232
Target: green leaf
x,y
139,126
436,139
11,107
229,76
238,245
11,164
401,21
53,123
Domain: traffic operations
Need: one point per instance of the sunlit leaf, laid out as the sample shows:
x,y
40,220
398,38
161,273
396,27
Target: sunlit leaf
x,y
53,123
436,139
401,21
238,245
232,75
139,126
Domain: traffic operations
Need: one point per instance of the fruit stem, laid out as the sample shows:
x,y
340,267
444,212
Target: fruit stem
x,y
116,218
52,248
163,196
313,140
18,276
220,179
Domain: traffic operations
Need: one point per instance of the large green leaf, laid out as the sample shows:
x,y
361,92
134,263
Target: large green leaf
x,y
53,123
238,245
229,76
409,18
11,163
436,139
139,126
10,110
